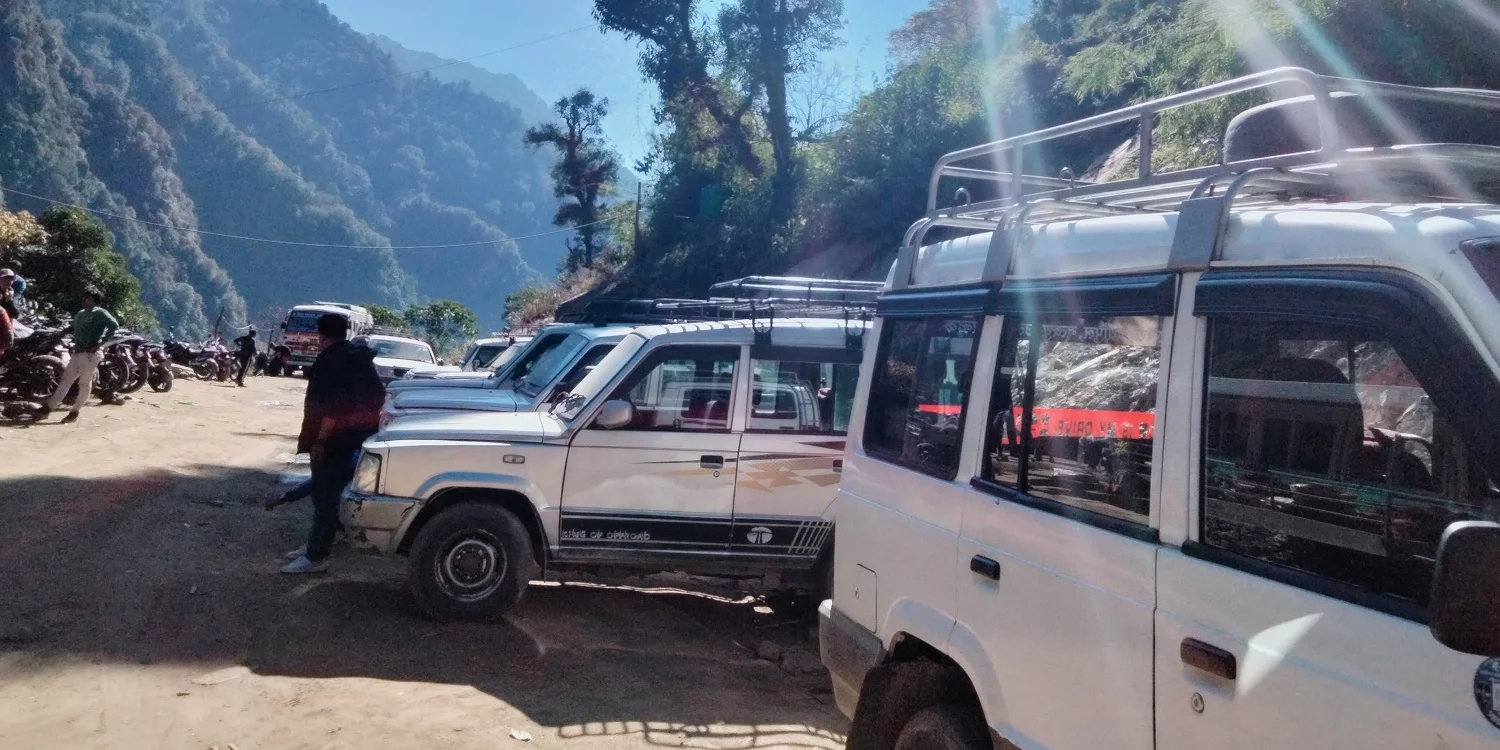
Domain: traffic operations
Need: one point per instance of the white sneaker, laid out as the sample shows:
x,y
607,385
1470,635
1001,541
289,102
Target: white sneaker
x,y
296,553
304,565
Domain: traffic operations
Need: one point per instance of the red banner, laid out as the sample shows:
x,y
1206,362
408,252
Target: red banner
x,y
1131,425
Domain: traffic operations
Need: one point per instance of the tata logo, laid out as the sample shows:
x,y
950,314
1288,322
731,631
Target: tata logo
x,y
758,535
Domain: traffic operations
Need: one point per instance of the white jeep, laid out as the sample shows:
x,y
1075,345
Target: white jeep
x,y
1204,459
709,448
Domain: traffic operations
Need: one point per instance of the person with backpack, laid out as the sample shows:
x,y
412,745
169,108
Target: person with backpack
x,y
341,410
245,354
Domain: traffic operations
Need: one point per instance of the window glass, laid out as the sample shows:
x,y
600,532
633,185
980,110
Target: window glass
x,y
546,367
585,365
303,321
528,359
1323,453
682,389
1073,412
484,355
802,397
397,349
919,390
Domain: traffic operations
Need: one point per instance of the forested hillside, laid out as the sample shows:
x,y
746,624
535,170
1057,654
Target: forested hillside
x,y
191,114
746,181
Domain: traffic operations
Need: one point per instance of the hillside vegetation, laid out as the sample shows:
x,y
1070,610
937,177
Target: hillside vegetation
x,y
764,190
188,114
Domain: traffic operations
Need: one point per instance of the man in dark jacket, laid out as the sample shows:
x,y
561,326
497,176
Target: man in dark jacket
x,y
342,409
246,352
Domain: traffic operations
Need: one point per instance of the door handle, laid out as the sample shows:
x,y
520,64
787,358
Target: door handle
x,y
1209,658
711,462
985,567
838,465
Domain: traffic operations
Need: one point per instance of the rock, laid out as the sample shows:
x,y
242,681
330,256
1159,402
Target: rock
x,y
768,651
520,735
799,662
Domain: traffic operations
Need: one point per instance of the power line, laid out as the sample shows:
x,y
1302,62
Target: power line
x,y
290,243
343,86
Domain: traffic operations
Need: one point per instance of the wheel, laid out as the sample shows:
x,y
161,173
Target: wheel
x,y
43,374
206,370
161,378
472,562
111,376
223,372
139,374
943,727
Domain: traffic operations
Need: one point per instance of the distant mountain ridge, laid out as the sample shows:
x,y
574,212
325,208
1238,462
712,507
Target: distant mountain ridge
x,y
269,119
502,87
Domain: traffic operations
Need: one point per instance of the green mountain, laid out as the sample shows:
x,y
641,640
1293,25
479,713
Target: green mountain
x,y
267,119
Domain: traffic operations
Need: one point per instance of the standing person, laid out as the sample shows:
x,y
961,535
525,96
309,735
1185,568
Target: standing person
x,y
342,408
92,326
7,324
11,287
246,343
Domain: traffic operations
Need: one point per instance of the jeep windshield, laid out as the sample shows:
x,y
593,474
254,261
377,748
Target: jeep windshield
x,y
599,378
527,358
550,365
398,349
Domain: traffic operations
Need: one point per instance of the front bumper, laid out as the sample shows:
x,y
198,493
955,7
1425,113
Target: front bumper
x,y
849,651
376,522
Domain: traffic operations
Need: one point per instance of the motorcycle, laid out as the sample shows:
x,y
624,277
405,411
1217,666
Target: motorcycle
x,y
134,347
33,366
201,359
159,368
117,367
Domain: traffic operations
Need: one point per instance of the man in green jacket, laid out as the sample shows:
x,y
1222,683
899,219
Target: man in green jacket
x,y
92,326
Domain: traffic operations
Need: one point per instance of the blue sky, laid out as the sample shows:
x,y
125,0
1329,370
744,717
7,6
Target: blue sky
x,y
604,62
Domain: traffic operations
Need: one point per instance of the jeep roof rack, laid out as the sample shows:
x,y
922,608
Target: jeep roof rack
x,y
1399,166
758,299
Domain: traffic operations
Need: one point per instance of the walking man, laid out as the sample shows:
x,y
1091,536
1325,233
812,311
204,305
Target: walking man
x,y
342,408
92,326
246,343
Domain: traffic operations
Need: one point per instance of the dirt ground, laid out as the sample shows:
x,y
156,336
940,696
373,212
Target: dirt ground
x,y
143,609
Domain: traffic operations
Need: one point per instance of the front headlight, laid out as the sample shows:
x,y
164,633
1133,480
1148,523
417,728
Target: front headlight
x,y
366,475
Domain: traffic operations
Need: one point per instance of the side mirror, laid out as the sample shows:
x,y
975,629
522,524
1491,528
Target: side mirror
x,y
615,414
1464,612
441,361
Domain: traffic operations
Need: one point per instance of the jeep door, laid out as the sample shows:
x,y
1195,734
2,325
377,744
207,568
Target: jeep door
x,y
792,452
1294,613
663,485
1058,542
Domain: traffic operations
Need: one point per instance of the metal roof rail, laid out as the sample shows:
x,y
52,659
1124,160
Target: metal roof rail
x,y
1331,170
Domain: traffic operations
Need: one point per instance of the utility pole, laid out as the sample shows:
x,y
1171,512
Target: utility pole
x,y
635,250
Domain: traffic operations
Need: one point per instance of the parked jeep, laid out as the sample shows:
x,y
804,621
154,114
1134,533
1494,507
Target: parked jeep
x,y
711,448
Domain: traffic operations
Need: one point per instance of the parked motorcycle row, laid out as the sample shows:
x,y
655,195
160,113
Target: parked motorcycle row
x,y
32,367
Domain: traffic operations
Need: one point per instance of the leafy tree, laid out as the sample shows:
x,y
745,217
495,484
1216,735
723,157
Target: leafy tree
x,y
384,316
65,253
585,170
444,324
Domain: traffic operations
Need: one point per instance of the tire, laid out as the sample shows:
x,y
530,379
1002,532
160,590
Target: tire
x,y
487,544
138,376
160,378
943,727
45,372
206,370
223,372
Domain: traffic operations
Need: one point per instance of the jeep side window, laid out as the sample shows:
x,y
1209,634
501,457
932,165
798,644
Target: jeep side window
x,y
1073,412
918,392
802,397
684,388
1323,453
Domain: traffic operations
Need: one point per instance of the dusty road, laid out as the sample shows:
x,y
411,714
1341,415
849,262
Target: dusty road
x,y
143,609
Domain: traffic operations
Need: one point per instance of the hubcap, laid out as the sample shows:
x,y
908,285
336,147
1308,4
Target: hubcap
x,y
471,567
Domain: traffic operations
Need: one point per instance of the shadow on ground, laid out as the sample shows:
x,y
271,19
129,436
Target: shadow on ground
x,y
181,567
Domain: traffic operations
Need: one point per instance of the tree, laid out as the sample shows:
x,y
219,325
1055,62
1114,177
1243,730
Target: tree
x,y
384,316
679,56
444,324
765,43
65,253
585,170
